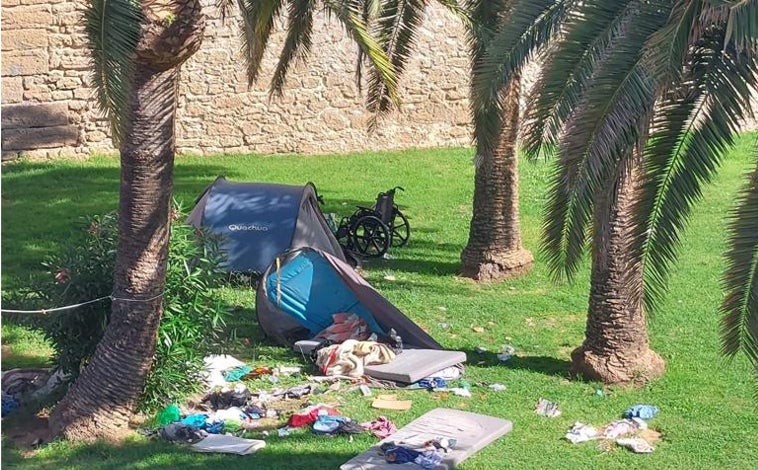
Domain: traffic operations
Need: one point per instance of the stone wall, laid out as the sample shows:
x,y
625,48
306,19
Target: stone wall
x,y
48,110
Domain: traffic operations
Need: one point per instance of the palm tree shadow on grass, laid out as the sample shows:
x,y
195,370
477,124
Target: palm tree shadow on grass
x,y
540,364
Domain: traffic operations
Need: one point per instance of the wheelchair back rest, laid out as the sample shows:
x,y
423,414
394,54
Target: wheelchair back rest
x,y
385,203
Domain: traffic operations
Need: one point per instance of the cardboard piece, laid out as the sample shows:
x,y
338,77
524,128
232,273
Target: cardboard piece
x,y
390,402
472,431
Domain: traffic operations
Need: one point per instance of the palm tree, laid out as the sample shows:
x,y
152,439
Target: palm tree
x,y
494,249
137,50
640,99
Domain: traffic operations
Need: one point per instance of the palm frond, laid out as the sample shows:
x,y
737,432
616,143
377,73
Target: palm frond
x,y
113,28
693,130
371,10
526,28
667,48
258,21
739,324
588,29
742,28
601,134
397,25
383,72
298,43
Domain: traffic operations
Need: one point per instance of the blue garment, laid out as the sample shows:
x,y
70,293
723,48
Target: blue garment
x,y
399,454
9,405
196,420
642,411
236,373
215,427
429,459
432,384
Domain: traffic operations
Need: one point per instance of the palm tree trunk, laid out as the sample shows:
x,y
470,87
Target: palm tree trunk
x,y
103,399
616,348
494,249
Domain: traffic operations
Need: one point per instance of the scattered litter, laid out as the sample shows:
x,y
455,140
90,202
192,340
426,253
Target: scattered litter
x,y
285,431
226,398
442,309
365,390
477,329
642,411
389,277
168,415
177,432
432,384
620,428
289,370
581,432
215,365
498,387
235,374
506,353
309,415
480,350
381,427
444,326
461,392
390,402
547,408
636,445
228,444
599,392
233,412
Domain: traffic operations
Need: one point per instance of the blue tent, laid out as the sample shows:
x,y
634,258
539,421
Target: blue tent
x,y
259,221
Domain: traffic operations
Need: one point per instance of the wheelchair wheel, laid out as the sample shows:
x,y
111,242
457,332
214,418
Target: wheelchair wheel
x,y
401,229
371,238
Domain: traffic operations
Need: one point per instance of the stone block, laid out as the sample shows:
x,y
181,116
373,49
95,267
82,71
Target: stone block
x,y
29,62
25,17
39,137
23,39
13,90
20,116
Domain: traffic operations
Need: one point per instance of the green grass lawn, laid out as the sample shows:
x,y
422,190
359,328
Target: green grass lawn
x,y
708,416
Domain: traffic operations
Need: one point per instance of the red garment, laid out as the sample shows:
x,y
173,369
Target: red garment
x,y
310,415
346,326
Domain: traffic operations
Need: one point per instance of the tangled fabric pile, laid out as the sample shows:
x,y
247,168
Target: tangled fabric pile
x,y
350,357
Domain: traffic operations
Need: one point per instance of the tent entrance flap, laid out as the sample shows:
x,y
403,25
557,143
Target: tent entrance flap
x,y
309,289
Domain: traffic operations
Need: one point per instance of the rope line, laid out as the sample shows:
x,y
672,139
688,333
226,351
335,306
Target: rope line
x,y
70,307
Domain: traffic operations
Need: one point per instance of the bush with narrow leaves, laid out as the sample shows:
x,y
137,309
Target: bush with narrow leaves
x,y
193,321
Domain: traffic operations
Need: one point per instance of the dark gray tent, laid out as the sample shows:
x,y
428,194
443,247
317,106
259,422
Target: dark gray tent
x,y
297,298
260,221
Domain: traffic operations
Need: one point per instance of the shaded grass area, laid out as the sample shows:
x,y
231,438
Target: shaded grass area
x,y
708,417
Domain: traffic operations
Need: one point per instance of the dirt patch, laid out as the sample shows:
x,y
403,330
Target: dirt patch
x,y
27,431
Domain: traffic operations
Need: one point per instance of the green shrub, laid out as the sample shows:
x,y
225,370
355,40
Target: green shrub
x,y
193,321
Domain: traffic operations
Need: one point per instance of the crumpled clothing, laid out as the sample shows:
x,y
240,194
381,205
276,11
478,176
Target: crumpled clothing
x,y
435,383
636,445
428,459
642,411
224,399
232,413
381,427
394,453
197,420
547,408
350,357
309,415
178,432
215,365
235,374
346,326
581,432
293,392
622,428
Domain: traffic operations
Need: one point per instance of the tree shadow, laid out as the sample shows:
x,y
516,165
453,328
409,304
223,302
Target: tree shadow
x,y
545,365
295,451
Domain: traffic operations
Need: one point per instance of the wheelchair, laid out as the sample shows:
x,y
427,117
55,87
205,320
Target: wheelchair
x,y
370,231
